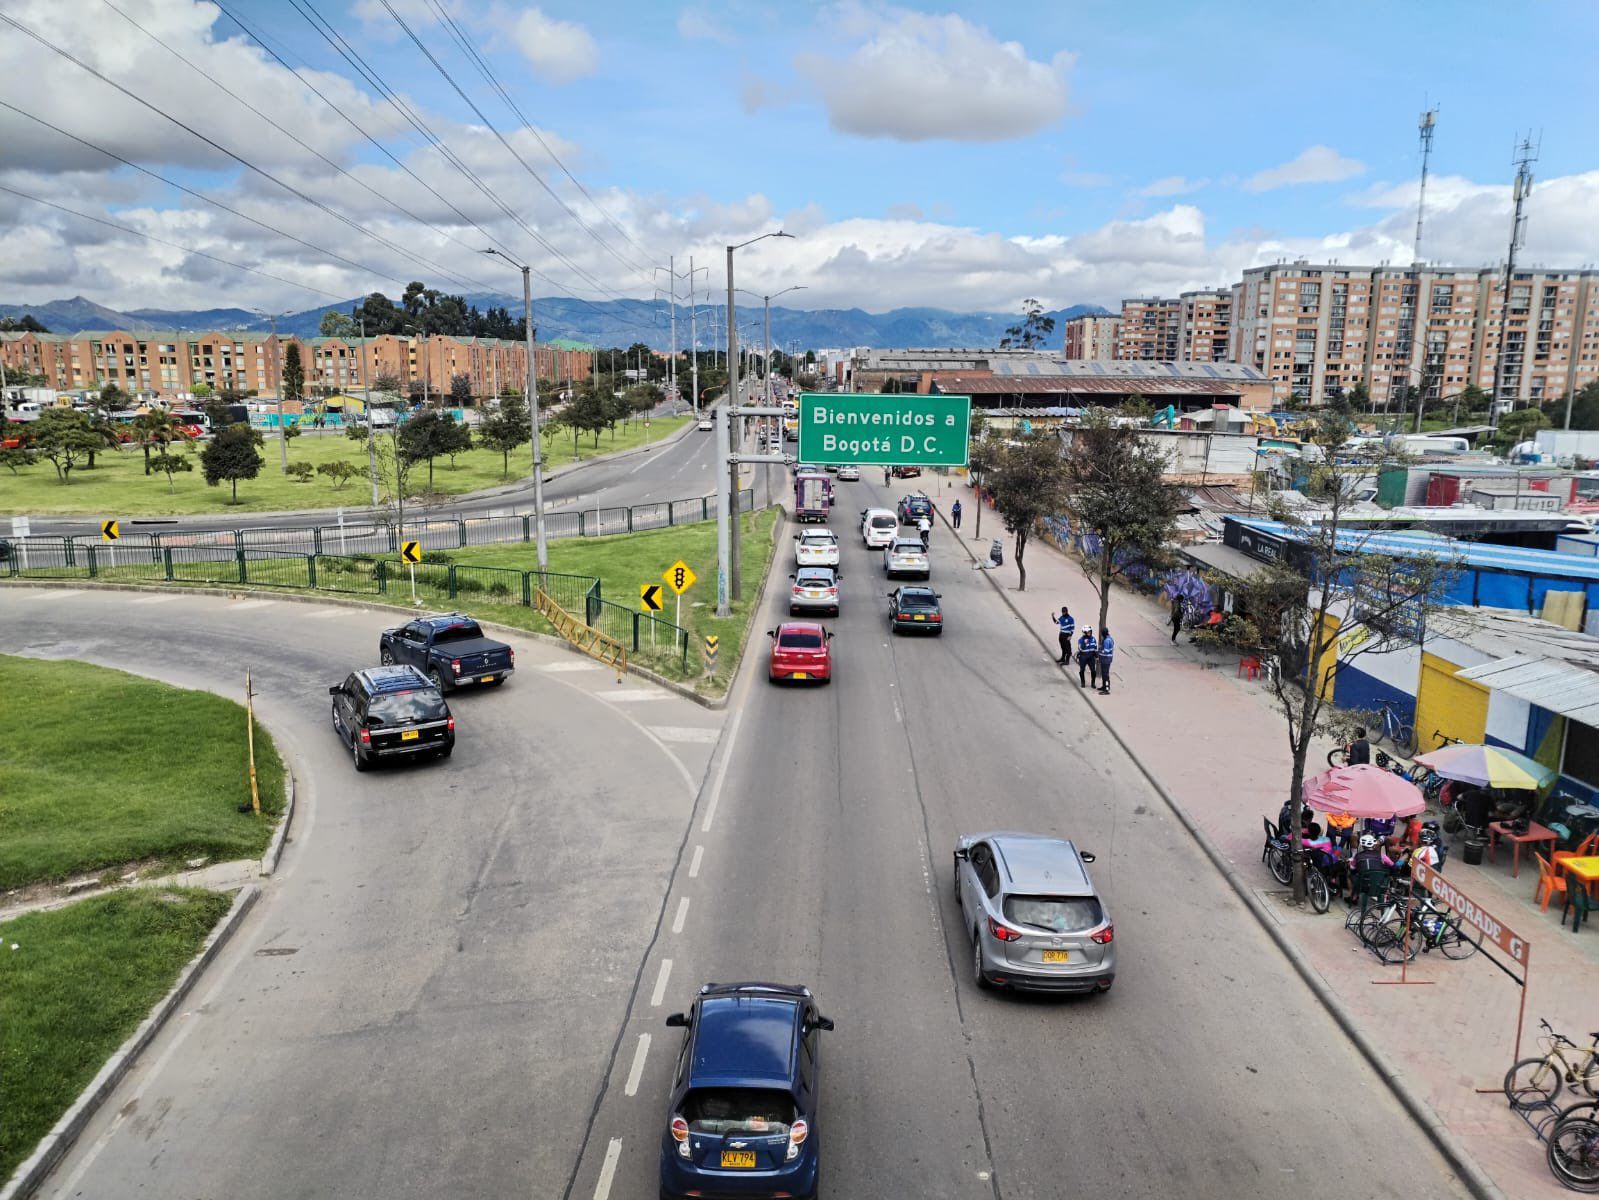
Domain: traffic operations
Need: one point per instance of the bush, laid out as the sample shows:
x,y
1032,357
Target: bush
x,y
300,472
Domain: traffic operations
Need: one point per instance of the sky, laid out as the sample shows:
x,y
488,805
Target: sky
x,y
959,156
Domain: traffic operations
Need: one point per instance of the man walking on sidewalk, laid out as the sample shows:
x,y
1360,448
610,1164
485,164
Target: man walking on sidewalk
x,y
1065,626
1087,658
955,514
1176,617
1107,651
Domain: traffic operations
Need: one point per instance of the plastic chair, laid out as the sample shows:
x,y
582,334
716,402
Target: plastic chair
x,y
1549,883
1578,905
1248,667
1272,834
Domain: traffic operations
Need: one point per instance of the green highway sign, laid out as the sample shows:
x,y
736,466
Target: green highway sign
x,y
884,430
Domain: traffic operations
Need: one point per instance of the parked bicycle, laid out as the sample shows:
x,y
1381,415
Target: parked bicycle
x,y
1389,725
1537,1081
1381,928
1321,872
1573,1148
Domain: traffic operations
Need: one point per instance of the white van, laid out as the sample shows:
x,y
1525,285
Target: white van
x,y
879,526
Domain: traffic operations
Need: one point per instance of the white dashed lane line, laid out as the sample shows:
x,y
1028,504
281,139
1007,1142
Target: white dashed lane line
x,y
659,993
602,1186
694,867
682,915
686,733
637,1070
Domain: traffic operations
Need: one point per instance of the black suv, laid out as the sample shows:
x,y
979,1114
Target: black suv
x,y
387,712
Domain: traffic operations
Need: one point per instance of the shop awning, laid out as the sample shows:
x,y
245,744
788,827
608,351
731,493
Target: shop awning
x,y
1568,689
1217,557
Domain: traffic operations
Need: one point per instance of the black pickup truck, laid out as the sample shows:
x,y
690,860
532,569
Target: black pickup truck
x,y
450,649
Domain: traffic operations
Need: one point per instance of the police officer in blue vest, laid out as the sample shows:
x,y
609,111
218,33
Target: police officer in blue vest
x,y
1087,658
1107,651
1065,626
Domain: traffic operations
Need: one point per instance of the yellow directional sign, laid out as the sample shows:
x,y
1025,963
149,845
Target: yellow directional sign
x,y
411,552
110,531
649,597
678,577
713,648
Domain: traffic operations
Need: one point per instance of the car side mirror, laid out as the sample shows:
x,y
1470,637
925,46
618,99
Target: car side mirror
x,y
793,576
1086,855
677,1021
938,595
335,689
825,1024
963,853
829,635
771,633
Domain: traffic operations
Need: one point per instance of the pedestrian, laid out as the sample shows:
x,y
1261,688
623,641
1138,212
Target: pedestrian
x,y
1107,651
955,514
1176,617
887,476
1087,658
1065,627
1360,748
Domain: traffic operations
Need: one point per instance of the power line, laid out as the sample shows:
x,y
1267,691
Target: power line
x,y
488,73
357,226
150,237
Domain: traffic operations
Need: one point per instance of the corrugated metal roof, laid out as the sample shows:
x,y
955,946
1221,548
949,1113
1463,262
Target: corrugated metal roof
x,y
1567,688
1024,385
1129,369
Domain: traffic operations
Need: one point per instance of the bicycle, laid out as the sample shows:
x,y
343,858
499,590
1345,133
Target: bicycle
x,y
1389,725
1318,887
1573,1148
1537,1081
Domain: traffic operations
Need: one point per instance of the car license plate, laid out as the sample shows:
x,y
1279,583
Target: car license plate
x,y
813,595
1057,956
486,679
801,675
410,735
738,1158
919,617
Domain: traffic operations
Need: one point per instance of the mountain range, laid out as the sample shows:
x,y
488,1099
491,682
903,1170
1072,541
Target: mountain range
x,y
600,322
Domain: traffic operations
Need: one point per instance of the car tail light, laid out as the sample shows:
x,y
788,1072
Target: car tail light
x,y
366,737
797,1133
680,1134
510,656
832,591
798,591
450,724
1001,932
935,617
1104,936
455,666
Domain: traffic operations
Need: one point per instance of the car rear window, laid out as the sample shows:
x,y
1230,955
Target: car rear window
x,y
815,577
724,1111
884,521
464,632
406,708
800,641
917,600
904,547
817,539
1058,914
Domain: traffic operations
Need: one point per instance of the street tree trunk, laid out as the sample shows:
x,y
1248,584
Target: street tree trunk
x,y
1021,567
1105,564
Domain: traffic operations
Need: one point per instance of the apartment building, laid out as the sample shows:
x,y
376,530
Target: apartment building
x,y
1150,330
1319,329
167,363
1205,325
1092,338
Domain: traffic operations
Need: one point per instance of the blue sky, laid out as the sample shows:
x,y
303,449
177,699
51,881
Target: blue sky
x,y
959,155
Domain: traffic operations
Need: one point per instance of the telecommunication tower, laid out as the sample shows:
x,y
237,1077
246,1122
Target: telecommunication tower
x,y
1526,155
1429,119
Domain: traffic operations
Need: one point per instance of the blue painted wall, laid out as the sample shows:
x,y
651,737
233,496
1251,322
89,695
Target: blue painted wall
x,y
1353,688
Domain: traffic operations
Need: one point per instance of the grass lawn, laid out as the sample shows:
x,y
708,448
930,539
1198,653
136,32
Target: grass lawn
x,y
101,768
118,487
74,983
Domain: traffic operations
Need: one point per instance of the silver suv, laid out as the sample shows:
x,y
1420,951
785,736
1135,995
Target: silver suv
x,y
1032,913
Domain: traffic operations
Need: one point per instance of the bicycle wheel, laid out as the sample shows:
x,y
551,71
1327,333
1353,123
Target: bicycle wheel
x,y
1281,866
1532,1082
1338,757
1458,940
1316,887
1387,941
1589,1079
1573,1153
1405,741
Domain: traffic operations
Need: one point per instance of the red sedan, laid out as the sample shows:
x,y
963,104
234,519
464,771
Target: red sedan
x,y
801,650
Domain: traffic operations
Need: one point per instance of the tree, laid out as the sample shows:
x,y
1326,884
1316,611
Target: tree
x,y
586,412
171,464
393,472
1028,483
66,437
14,458
114,399
388,385
429,434
1328,600
154,427
293,390
1032,330
1358,398
982,456
201,391
1519,426
1585,407
300,472
505,429
233,454
291,430
1118,500
27,323
339,472
338,325
460,390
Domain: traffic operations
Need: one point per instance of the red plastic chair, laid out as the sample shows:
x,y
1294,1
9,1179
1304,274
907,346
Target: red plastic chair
x,y
1248,667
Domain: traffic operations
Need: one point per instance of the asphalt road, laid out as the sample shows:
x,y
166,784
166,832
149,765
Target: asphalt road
x,y
425,996
820,854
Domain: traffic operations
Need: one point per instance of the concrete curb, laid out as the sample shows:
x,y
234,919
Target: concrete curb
x,y
1475,1178
37,1167
274,850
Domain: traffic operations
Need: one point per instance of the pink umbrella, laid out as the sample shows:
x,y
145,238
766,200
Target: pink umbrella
x,y
1363,790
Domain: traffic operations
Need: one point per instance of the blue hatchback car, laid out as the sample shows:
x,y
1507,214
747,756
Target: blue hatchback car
x,y
742,1119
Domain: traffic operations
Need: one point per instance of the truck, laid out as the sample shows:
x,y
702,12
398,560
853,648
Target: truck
x,y
450,649
812,497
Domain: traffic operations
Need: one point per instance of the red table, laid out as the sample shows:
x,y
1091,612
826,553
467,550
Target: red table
x,y
1535,833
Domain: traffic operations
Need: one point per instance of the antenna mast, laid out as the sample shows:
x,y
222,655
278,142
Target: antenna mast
x,y
1425,127
1526,155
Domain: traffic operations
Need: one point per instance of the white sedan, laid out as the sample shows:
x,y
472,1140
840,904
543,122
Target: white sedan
x,y
849,474
706,425
905,556
816,548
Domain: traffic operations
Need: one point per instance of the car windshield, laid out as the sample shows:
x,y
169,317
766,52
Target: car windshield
x,y
917,600
406,708
464,632
800,641
885,521
721,1111
1058,914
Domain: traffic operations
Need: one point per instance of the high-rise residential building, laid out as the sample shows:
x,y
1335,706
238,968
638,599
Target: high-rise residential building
x,y
1319,329
1150,330
1092,338
1205,325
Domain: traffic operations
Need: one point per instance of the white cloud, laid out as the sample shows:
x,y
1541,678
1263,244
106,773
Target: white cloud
x,y
560,51
1318,164
1172,185
917,77
694,25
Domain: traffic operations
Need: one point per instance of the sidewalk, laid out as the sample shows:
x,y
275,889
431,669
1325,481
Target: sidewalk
x,y
1218,745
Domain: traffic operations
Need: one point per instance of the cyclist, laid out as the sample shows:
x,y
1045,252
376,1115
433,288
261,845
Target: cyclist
x,y
1427,849
1369,857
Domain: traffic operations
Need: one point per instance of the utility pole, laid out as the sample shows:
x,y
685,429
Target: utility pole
x,y
277,368
426,369
532,394
1526,155
728,507
693,341
371,437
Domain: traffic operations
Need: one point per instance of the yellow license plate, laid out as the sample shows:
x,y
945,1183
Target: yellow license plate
x,y
1057,956
738,1158
919,617
486,679
801,675
410,735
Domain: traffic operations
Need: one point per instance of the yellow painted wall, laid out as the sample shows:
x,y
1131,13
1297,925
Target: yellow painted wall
x,y
1329,660
1449,705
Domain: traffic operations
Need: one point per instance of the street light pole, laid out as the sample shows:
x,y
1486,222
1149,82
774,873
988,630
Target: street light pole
x,y
366,388
532,409
277,367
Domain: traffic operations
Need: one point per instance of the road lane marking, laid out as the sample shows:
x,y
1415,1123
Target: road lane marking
x,y
632,695
637,1070
55,594
659,993
682,915
686,733
322,614
602,1186
694,867
721,771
